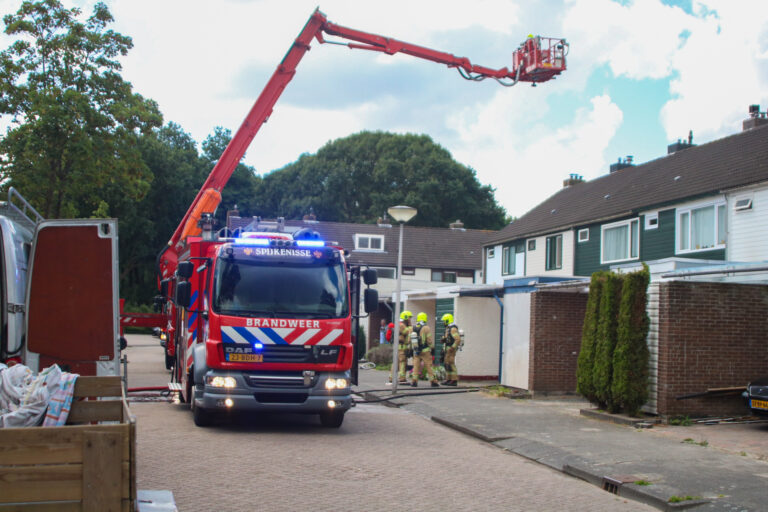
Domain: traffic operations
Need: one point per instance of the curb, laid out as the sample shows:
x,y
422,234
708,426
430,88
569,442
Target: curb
x,y
619,419
467,431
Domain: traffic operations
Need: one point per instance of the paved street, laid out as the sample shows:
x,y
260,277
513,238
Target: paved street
x,y
380,459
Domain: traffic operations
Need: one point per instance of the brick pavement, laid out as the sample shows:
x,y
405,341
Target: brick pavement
x,y
380,459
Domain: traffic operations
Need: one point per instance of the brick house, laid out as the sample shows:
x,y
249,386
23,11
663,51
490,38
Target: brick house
x,y
699,206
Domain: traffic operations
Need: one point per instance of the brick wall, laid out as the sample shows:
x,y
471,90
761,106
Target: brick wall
x,y
556,321
711,335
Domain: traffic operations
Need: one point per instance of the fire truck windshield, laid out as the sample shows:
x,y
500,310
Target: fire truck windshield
x,y
273,288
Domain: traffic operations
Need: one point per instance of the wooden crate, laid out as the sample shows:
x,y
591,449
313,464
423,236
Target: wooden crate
x,y
86,465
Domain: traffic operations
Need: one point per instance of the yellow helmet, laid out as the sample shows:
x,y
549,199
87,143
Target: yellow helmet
x,y
421,317
447,319
405,315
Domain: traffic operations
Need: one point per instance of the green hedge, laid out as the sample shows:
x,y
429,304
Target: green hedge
x,y
613,361
586,361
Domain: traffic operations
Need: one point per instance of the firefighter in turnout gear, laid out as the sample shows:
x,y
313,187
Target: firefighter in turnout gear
x,y
403,345
422,356
451,342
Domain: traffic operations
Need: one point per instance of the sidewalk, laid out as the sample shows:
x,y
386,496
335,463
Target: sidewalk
x,y
554,432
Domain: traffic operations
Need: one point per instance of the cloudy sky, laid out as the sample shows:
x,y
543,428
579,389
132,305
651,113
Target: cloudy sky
x,y
641,74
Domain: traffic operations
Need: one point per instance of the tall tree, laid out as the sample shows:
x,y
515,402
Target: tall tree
x,y
75,123
355,179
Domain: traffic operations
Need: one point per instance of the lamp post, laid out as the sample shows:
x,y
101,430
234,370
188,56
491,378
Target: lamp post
x,y
401,214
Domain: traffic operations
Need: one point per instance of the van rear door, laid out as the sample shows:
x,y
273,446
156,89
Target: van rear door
x,y
72,297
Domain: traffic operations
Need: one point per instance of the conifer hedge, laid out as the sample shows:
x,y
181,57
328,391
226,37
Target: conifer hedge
x,y
586,361
606,340
629,386
612,367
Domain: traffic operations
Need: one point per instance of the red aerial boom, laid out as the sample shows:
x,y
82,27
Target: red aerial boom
x,y
537,59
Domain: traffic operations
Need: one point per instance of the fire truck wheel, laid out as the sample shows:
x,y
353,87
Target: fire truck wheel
x,y
332,419
202,417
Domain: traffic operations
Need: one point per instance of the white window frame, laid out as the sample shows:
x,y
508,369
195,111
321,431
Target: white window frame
x,y
491,252
584,239
614,225
369,238
553,243
742,204
688,210
649,218
387,269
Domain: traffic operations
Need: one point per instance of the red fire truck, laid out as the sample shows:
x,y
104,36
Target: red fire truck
x,y
265,320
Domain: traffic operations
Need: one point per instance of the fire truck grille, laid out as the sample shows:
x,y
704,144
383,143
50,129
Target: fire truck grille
x,y
281,398
299,354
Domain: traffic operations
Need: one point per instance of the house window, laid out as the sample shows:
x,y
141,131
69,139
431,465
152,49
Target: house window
x,y
651,220
742,204
584,235
443,276
513,259
369,243
409,271
491,252
701,228
386,272
620,241
554,252
531,245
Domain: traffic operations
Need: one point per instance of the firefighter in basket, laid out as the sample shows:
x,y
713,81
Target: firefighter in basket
x,y
403,347
423,349
451,342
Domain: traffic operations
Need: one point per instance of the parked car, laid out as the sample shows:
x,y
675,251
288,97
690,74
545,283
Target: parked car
x,y
757,396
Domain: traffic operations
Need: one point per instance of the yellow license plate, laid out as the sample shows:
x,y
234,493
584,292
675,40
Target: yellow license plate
x,y
759,404
246,358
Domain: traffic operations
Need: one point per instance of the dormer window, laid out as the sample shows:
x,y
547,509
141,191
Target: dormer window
x,y
369,243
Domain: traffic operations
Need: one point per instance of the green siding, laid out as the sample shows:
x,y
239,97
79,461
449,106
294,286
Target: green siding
x,y
587,254
442,306
655,244
660,242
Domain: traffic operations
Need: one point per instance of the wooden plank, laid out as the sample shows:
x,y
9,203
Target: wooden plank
x,y
59,506
132,459
96,410
41,483
98,386
54,445
102,477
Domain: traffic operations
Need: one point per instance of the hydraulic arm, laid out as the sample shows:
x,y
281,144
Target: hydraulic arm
x,y
537,59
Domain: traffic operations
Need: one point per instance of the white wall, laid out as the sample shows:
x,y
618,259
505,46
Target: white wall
x,y
479,318
517,340
747,229
536,261
493,266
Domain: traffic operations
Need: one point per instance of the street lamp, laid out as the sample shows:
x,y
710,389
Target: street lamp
x,y
401,214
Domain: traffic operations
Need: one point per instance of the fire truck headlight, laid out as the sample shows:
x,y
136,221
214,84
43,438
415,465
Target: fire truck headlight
x,y
221,382
335,383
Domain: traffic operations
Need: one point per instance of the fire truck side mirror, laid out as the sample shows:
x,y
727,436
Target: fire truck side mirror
x,y
183,294
185,269
370,300
164,288
370,277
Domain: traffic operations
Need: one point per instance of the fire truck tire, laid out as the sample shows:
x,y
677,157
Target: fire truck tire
x,y
202,417
332,419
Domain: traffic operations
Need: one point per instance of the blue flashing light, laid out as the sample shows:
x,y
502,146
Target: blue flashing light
x,y
252,241
310,243
258,346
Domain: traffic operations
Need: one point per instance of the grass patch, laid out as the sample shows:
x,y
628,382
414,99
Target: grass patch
x,y
688,440
679,499
642,482
681,421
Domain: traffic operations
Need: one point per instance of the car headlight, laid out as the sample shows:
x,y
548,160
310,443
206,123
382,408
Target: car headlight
x,y
220,382
336,383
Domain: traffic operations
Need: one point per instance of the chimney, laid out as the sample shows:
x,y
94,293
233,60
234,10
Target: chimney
x,y
681,144
232,214
756,118
310,218
622,164
383,222
573,179
457,226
